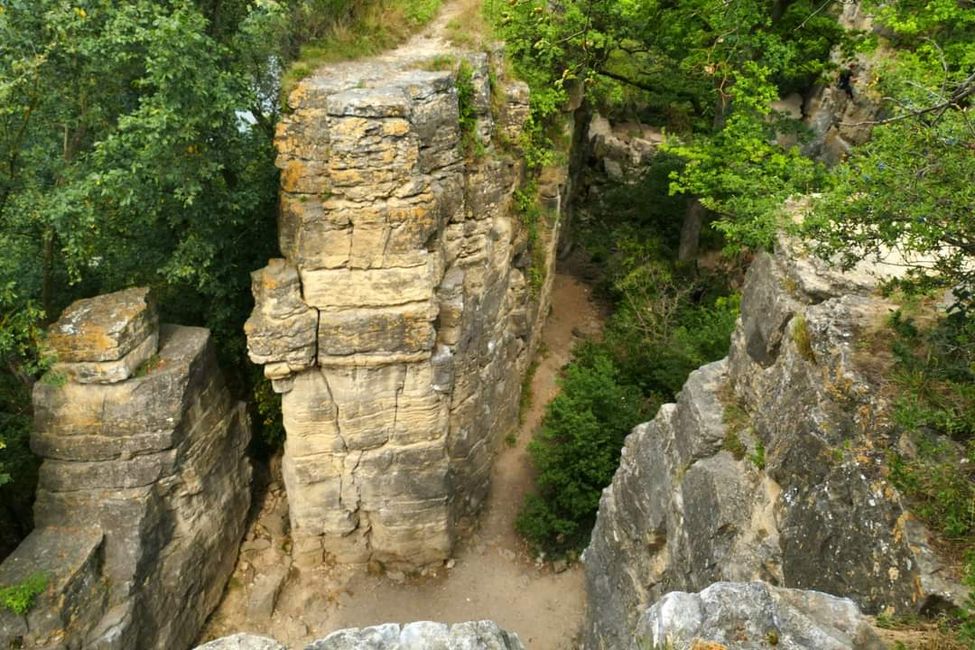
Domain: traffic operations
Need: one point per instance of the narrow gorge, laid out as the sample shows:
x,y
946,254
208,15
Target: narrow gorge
x,y
457,237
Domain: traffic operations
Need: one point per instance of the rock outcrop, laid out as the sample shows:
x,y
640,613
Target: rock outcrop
x,y
422,635
144,485
754,616
399,323
769,466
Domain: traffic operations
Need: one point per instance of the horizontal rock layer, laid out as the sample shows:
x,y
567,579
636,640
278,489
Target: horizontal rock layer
x,y
141,500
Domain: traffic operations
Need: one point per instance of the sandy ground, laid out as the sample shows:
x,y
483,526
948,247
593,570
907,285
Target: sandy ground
x,y
493,574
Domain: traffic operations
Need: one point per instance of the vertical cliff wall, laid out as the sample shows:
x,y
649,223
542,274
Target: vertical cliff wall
x,y
769,467
399,323
143,489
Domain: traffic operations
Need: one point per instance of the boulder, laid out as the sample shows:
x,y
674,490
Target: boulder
x,y
105,339
422,635
754,616
242,642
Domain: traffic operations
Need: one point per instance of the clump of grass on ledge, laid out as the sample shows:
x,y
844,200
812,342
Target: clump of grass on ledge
x,y
369,28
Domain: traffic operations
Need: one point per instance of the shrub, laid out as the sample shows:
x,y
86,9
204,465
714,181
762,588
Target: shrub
x,y
577,449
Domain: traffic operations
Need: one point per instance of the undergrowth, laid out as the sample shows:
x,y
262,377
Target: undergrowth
x,y
668,321
19,598
933,380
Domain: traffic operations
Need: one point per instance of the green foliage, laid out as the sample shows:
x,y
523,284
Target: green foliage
x,y
705,68
740,172
909,187
19,598
660,333
667,322
532,220
802,339
935,380
470,140
577,449
758,456
732,442
135,149
267,403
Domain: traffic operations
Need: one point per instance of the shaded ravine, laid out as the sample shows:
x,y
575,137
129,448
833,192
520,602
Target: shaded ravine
x,y
493,574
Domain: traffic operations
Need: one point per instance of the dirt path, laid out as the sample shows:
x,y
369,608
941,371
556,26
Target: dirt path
x,y
492,576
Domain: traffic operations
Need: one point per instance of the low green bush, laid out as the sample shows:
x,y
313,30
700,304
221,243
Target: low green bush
x,y
577,449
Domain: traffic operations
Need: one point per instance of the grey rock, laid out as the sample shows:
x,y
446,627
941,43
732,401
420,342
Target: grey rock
x,y
242,642
682,512
264,593
753,616
422,635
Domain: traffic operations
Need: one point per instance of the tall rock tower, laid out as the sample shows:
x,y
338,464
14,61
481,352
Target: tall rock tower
x,y
398,325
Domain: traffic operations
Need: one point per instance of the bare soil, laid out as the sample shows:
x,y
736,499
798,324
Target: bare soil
x,y
493,574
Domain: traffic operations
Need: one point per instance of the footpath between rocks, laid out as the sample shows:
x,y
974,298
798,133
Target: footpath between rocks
x,y
493,574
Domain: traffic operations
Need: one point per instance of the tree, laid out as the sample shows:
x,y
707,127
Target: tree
x,y
708,69
910,187
135,148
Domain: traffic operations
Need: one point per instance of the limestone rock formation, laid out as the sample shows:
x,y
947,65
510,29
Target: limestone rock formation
x,y
144,485
422,635
624,150
242,642
754,616
398,325
807,505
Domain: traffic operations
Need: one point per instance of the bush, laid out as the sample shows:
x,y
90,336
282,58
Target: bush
x,y
934,377
577,449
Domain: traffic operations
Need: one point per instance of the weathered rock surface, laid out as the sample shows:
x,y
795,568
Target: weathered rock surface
x,y
398,325
242,642
624,149
807,506
143,489
754,616
422,635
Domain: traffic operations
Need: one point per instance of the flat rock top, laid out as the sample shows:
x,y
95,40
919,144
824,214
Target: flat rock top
x,y
103,328
56,552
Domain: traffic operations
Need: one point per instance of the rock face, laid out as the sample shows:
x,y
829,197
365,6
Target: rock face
x,y
398,325
754,616
144,485
806,506
422,635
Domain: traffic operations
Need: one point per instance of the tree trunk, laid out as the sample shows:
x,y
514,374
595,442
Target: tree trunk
x,y
690,231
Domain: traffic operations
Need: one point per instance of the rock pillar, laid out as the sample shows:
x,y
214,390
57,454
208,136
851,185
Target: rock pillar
x,y
144,486
398,323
